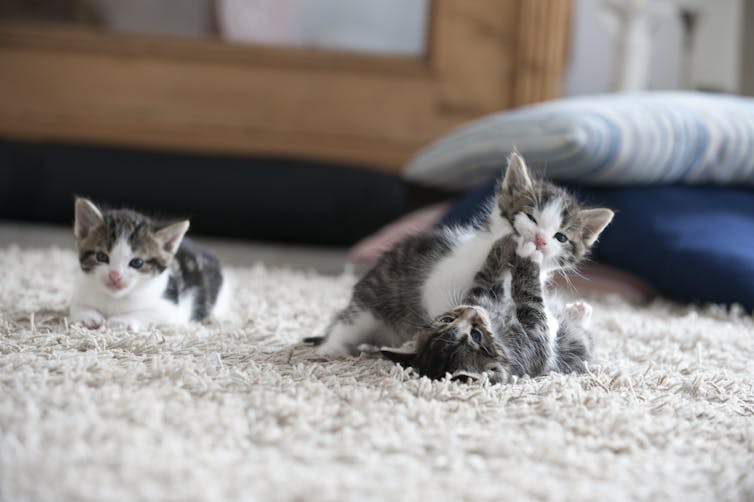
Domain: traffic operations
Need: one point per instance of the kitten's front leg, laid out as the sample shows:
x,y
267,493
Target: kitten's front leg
x,y
89,318
488,281
534,349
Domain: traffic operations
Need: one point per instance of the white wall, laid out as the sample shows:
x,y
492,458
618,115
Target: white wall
x,y
717,56
714,64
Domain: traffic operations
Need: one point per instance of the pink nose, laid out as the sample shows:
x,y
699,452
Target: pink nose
x,y
540,241
114,276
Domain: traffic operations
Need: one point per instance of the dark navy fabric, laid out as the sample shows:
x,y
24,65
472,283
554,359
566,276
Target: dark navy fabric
x,y
694,244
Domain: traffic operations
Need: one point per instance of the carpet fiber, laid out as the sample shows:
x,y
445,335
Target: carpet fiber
x,y
239,411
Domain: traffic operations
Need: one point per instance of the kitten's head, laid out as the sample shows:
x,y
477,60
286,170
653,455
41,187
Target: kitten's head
x,y
120,250
458,340
548,216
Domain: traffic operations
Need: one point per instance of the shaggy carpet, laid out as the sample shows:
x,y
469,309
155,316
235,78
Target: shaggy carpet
x,y
239,411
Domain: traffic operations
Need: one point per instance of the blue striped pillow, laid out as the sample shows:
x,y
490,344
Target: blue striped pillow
x,y
614,139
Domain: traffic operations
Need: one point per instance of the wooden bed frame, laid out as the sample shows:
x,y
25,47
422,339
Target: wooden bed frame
x,y
82,85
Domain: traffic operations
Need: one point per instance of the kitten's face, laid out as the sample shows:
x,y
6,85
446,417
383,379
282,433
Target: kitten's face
x,y
548,217
121,250
458,340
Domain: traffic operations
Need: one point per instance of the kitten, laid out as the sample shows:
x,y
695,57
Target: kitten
x,y
137,272
431,272
513,313
468,353
456,342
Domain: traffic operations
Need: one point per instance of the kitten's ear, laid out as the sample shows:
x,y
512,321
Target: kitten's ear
x,y
595,221
87,217
404,355
171,236
516,177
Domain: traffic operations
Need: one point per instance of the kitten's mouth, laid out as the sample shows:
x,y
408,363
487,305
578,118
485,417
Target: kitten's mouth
x,y
115,286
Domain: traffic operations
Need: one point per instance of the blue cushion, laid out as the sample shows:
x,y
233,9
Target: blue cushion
x,y
694,244
614,139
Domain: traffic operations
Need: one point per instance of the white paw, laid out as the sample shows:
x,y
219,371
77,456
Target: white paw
x,y
124,323
332,351
578,311
525,249
90,319
529,250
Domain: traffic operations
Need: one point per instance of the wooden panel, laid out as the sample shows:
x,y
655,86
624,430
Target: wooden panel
x,y
544,27
474,51
179,104
81,85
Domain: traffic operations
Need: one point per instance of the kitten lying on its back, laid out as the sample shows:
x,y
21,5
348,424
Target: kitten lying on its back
x,y
137,272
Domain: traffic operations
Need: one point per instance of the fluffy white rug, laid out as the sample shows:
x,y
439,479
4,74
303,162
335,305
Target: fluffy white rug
x,y
239,411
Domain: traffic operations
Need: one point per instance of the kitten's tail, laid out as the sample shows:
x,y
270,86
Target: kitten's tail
x,y
314,340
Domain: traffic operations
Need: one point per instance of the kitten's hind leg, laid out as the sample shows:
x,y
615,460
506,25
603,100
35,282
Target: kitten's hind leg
x,y
349,329
578,312
574,347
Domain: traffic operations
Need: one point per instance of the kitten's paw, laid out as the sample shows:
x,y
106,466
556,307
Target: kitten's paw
x,y
529,250
537,257
525,248
578,311
124,323
332,351
90,319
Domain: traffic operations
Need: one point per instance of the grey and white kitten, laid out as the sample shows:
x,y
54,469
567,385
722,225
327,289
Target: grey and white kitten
x,y
136,272
431,273
516,320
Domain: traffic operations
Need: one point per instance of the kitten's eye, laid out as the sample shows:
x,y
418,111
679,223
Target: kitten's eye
x,y
561,237
476,335
531,218
447,319
136,263
102,257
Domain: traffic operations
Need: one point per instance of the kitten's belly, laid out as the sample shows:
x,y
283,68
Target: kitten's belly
x,y
451,278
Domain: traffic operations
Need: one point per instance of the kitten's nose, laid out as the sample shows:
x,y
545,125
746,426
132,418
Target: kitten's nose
x,y
540,241
114,276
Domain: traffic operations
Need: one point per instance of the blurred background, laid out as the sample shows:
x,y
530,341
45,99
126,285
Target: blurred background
x,y
288,121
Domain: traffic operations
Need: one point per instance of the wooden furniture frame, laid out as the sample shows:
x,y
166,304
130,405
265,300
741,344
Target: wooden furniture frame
x,y
80,85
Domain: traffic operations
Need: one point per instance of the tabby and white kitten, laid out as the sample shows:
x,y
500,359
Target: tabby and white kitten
x,y
468,351
137,272
513,313
430,273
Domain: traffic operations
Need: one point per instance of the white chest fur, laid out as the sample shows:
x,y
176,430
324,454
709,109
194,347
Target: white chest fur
x,y
144,303
451,277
